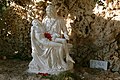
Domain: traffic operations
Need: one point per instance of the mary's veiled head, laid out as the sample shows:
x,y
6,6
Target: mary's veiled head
x,y
51,11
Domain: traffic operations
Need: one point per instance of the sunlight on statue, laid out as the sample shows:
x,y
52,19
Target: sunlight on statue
x,y
49,51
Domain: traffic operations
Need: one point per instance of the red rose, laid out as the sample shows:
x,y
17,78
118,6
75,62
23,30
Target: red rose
x,y
44,74
48,36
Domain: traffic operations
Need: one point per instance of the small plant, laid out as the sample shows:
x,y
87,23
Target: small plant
x,y
67,75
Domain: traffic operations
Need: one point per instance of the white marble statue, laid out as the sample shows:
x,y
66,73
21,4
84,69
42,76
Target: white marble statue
x,y
54,25
49,56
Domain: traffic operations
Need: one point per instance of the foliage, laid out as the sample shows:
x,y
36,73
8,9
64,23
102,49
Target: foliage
x,y
67,75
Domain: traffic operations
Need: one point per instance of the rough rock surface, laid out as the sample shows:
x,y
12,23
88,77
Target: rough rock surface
x,y
95,30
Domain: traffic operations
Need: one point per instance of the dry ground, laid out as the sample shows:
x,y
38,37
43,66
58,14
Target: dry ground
x,y
16,70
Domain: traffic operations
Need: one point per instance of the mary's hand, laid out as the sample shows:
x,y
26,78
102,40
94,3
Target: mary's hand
x,y
66,36
54,36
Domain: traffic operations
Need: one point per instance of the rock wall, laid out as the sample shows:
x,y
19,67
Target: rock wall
x,y
15,25
95,30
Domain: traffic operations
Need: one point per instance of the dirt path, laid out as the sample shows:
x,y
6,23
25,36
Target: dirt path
x,y
16,70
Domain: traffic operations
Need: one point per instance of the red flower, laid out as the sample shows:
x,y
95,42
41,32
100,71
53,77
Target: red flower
x,y
44,74
48,36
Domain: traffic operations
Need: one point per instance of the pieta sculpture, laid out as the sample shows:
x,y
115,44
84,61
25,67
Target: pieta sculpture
x,y
49,51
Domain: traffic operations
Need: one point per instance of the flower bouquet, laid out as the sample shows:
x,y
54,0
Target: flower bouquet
x,y
48,36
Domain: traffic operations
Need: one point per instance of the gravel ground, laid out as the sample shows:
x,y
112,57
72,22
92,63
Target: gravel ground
x,y
16,70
